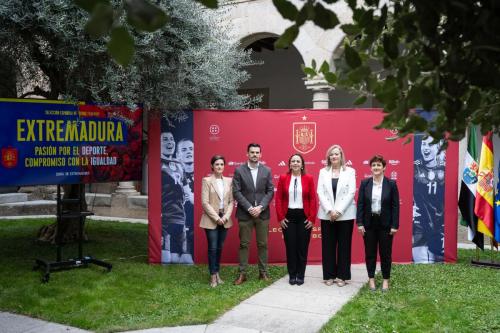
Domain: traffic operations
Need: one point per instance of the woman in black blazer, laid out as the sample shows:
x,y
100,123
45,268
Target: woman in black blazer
x,y
378,219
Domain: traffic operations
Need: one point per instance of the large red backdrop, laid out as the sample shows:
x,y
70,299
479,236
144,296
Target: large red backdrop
x,y
229,132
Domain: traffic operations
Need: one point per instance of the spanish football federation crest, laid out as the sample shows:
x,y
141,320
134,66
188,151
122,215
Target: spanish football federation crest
x,y
304,137
9,157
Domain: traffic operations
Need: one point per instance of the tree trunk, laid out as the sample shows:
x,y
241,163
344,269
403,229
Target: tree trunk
x,y
7,77
67,231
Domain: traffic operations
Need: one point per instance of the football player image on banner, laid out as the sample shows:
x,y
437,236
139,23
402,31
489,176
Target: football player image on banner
x,y
428,200
177,170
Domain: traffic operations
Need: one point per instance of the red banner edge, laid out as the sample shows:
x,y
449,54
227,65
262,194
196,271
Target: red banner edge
x,y
154,188
451,204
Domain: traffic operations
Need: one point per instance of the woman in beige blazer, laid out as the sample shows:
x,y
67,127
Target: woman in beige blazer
x,y
217,202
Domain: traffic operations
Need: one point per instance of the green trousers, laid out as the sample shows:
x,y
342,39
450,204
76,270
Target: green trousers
x,y
261,232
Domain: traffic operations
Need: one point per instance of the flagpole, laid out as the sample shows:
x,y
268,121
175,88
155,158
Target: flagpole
x,y
491,252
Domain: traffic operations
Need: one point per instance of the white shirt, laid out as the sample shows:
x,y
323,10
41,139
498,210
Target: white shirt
x,y
295,193
254,171
377,197
220,189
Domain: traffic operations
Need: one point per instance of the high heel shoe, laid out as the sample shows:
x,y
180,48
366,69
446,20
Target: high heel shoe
x,y
213,280
385,286
329,282
219,280
372,287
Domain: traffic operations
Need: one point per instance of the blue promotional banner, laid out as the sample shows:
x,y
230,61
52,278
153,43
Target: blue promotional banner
x,y
177,177
53,142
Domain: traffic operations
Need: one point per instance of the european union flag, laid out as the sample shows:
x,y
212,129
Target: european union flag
x,y
497,208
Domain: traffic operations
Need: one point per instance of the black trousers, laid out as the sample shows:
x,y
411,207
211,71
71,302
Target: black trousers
x,y
336,239
378,236
297,239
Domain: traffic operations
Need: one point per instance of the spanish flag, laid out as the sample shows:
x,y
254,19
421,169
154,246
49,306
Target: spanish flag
x,y
484,190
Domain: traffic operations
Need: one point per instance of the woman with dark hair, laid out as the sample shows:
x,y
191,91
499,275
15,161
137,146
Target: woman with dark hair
x,y
217,203
378,219
296,208
337,211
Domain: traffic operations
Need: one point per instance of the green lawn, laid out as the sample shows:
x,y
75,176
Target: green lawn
x,y
427,298
134,295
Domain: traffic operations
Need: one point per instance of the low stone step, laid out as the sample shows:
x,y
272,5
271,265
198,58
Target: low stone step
x,y
13,197
137,201
98,199
35,207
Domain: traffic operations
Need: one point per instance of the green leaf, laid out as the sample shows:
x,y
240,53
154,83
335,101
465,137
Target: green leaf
x,y
427,98
371,83
359,74
382,20
351,29
302,16
365,18
121,46
330,77
325,67
360,100
286,9
209,3
89,5
145,16
101,21
414,95
474,100
325,18
313,64
287,38
387,92
414,72
352,57
390,43
308,70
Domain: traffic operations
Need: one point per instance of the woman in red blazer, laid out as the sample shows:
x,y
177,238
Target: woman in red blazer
x,y
296,208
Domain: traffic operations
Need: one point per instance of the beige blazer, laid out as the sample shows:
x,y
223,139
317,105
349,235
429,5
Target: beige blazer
x,y
210,201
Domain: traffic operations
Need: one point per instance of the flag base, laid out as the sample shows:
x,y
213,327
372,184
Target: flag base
x,y
491,264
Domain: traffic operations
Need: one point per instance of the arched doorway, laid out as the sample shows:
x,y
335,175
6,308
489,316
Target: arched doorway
x,y
277,76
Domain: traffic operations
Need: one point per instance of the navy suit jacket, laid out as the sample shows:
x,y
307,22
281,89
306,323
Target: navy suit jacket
x,y
389,214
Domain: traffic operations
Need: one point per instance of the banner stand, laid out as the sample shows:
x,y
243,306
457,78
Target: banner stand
x,y
80,261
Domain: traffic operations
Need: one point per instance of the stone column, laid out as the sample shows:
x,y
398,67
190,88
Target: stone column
x,y
321,90
126,188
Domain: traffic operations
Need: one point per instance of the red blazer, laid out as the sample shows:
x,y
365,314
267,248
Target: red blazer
x,y
308,196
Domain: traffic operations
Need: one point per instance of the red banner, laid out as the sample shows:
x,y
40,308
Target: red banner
x,y
310,132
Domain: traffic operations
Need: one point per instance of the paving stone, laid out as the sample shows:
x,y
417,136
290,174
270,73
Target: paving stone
x,y
13,323
220,328
176,329
274,320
